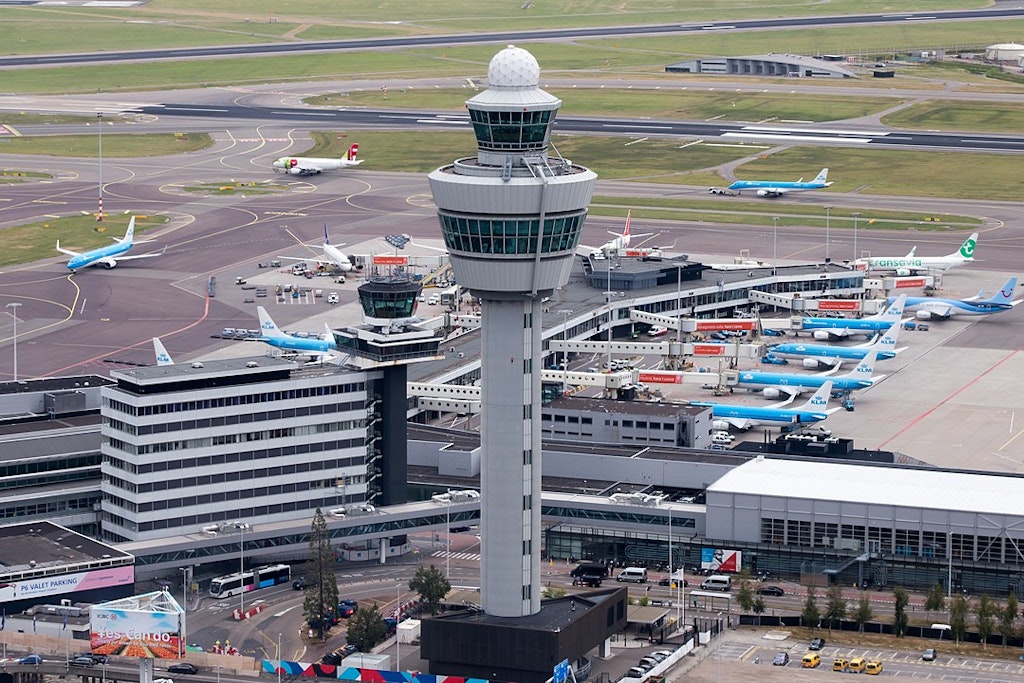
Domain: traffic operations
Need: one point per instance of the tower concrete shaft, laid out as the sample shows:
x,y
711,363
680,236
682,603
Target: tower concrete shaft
x,y
511,219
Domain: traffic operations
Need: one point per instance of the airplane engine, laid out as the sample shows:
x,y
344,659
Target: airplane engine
x,y
771,393
109,264
821,335
814,364
295,170
763,193
903,272
923,315
720,425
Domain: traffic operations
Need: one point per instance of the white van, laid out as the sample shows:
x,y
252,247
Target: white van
x,y
722,437
717,582
633,574
434,300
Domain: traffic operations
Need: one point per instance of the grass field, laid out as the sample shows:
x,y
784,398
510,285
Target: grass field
x,y
947,115
116,145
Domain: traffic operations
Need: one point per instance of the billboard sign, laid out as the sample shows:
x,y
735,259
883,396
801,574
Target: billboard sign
x,y
138,627
67,583
839,305
721,560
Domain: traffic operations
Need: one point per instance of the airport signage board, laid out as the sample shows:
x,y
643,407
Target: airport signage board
x,y
661,377
709,349
726,324
135,633
67,583
385,260
905,282
838,305
721,560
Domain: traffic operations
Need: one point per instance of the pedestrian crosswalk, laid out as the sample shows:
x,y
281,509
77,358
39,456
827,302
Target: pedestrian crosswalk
x,y
457,556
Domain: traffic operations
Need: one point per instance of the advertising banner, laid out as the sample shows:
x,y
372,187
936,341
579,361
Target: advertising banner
x,y
68,583
135,632
838,305
721,560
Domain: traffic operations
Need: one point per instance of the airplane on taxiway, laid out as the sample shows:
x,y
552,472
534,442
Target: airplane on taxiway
x,y
724,415
828,329
775,188
932,308
772,385
332,256
108,256
315,165
316,349
911,264
829,356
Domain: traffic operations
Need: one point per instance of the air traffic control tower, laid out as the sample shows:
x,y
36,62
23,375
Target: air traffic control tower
x,y
511,219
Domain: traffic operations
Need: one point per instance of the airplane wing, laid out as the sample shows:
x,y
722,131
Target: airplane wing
x,y
67,251
741,423
939,310
789,400
129,258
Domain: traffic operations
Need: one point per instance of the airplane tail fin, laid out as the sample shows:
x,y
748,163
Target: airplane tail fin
x,y
327,240
625,230
129,234
329,337
910,254
162,357
1005,294
353,151
966,251
267,326
887,342
864,368
821,177
894,313
819,402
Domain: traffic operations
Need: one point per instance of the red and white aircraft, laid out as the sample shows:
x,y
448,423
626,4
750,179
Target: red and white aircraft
x,y
314,165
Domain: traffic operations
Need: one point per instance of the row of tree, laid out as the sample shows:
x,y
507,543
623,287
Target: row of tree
x,y
990,617
366,626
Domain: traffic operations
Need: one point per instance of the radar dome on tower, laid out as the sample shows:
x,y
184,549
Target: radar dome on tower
x,y
513,67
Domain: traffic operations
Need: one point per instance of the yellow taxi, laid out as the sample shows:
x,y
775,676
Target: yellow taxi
x,y
810,660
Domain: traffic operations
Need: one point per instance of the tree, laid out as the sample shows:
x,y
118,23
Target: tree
x,y
958,618
366,628
899,617
431,585
745,596
1008,618
936,601
864,613
320,602
758,608
836,608
985,617
811,614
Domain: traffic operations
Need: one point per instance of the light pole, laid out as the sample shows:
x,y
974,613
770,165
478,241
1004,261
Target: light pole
x,y
99,122
448,537
610,324
565,312
828,220
184,610
14,315
679,303
398,620
775,243
278,658
718,650
856,219
241,526
949,581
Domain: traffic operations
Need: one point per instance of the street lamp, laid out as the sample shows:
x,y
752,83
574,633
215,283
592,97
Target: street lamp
x,y
856,219
828,217
775,244
99,123
398,620
241,526
184,609
278,658
14,315
448,537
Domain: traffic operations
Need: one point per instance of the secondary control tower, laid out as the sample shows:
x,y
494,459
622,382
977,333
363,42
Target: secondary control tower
x,y
511,218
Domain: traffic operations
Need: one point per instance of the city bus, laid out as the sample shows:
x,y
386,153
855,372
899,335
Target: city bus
x,y
250,580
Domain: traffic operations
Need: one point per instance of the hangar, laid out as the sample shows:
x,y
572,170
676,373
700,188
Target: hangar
x,y
771,64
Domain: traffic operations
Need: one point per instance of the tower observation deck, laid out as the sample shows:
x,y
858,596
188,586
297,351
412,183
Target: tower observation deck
x,y
511,219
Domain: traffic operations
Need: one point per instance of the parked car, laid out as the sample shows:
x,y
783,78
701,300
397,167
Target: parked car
x,y
31,659
300,583
929,655
771,590
82,660
816,644
781,659
97,659
183,668
635,672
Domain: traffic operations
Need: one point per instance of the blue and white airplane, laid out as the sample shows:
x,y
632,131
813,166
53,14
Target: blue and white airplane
x,y
930,308
773,189
744,417
162,357
823,356
772,385
108,257
316,349
830,329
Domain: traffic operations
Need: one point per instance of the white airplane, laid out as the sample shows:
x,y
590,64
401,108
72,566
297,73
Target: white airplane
x,y
621,241
314,165
912,264
332,256
162,357
109,256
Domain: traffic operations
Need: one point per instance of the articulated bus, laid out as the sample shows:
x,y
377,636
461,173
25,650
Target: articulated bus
x,y
250,580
